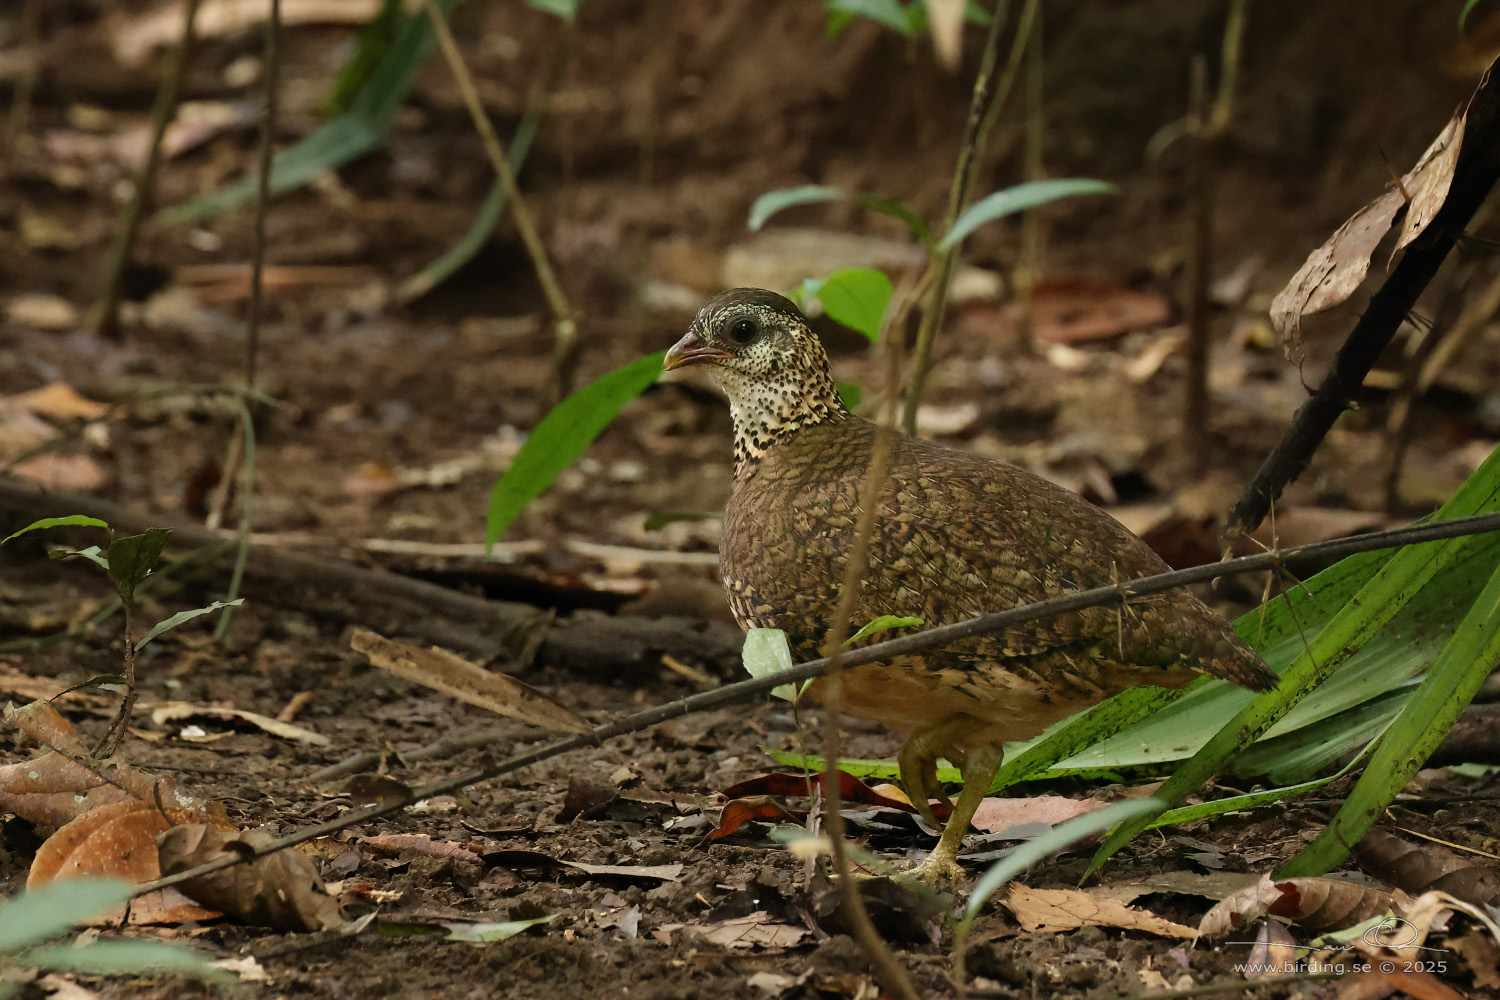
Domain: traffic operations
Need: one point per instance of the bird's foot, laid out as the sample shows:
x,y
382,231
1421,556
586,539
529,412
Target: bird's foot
x,y
939,868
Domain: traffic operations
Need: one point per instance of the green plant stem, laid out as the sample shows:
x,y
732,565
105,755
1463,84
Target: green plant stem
x,y
983,110
565,328
116,733
247,511
107,312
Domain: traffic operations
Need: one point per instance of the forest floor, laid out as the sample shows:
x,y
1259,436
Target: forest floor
x,y
393,422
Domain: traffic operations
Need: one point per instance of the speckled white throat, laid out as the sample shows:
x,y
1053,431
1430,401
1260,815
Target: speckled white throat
x,y
777,384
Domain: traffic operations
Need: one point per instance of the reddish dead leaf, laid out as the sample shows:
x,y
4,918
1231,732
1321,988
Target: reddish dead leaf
x,y
281,890
738,812
395,843
60,401
997,814
1314,903
1057,910
524,860
62,472
1400,979
1273,954
1079,310
1417,868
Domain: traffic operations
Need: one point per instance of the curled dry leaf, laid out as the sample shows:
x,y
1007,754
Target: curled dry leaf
x,y
281,890
174,711
1417,868
1314,903
453,675
1332,272
1058,910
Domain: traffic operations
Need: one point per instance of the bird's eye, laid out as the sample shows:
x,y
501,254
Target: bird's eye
x,y
742,331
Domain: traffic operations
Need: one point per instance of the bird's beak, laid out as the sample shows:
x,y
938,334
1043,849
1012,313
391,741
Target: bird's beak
x,y
692,351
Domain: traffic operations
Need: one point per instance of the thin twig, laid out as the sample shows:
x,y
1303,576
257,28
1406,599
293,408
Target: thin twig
x,y
262,191
901,646
983,111
107,312
565,329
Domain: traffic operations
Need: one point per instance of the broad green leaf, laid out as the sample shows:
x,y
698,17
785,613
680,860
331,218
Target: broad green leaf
x,y
113,958
1468,658
883,624
780,200
1022,197
38,914
132,558
562,436
857,297
346,138
58,522
167,624
375,40
1377,602
93,554
766,652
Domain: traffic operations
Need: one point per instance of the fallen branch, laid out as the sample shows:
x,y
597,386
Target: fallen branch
x,y
903,645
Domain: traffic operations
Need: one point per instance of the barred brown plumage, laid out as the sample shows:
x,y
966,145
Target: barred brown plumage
x,y
956,536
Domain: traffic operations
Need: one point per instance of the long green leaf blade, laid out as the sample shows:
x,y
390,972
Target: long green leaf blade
x,y
562,436
1022,197
48,910
1469,657
57,522
782,199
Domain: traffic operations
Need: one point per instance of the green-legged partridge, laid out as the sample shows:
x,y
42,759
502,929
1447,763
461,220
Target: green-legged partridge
x,y
957,536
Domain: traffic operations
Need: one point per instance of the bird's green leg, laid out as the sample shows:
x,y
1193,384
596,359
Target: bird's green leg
x,y
918,760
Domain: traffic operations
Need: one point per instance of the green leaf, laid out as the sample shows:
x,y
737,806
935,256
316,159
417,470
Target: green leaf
x,y
882,624
780,200
113,958
58,522
346,138
167,624
1022,197
132,558
850,394
1468,658
1463,15
93,554
857,297
564,433
860,767
766,652
41,913
1405,573
889,13
565,9
485,933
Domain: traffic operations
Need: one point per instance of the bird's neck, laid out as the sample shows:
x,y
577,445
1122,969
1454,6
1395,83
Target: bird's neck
x,y
768,412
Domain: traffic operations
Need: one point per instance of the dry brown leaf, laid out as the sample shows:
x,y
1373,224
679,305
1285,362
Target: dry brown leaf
x,y
422,844
755,930
524,860
134,39
1332,272
1058,910
1314,903
1080,310
1416,868
175,711
453,675
998,814
43,312
61,401
281,890
1481,953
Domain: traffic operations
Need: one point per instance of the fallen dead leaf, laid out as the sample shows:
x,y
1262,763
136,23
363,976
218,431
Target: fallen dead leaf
x,y
757,930
43,312
281,890
453,675
176,711
1081,310
60,401
1314,903
1057,910
531,860
998,814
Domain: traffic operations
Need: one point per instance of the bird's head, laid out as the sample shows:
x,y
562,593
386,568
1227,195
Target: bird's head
x,y
758,347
